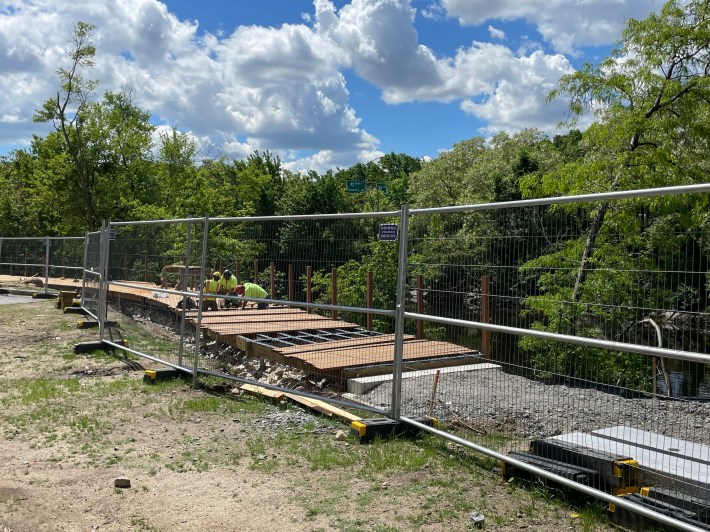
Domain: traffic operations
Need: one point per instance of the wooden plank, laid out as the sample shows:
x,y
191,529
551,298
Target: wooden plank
x,y
192,314
362,356
654,460
310,403
260,390
208,320
384,339
274,327
344,414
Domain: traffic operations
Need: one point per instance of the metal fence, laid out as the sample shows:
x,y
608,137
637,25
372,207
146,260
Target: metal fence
x,y
528,329
41,258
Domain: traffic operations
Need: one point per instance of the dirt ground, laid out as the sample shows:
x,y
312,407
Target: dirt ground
x,y
72,424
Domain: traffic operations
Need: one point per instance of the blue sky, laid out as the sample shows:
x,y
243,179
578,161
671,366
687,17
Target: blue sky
x,y
322,84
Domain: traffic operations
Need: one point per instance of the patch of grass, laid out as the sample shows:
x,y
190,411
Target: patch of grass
x,y
140,524
322,506
42,390
203,404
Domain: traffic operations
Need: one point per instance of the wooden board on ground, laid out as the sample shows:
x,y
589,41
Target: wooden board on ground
x,y
323,407
310,403
260,390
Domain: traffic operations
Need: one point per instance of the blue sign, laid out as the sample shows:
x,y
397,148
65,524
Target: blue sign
x,y
388,232
382,187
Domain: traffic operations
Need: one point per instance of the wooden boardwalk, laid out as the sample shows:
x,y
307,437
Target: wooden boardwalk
x,y
316,344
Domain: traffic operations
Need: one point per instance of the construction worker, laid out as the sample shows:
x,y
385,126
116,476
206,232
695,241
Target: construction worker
x,y
210,286
228,287
252,291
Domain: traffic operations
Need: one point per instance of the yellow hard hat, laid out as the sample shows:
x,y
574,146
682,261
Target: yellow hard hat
x,y
217,275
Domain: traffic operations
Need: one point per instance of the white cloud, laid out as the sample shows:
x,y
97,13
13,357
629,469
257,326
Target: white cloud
x,y
284,88
278,89
494,83
495,33
514,103
566,24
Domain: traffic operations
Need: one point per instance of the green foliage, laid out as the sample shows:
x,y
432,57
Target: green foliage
x,y
379,258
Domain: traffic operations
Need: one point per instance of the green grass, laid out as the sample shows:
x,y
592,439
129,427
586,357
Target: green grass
x,y
424,482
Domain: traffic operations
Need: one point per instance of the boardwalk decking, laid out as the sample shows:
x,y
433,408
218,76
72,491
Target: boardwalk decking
x,y
308,341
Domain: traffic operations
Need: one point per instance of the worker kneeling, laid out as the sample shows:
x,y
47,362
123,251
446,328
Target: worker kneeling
x,y
252,291
210,288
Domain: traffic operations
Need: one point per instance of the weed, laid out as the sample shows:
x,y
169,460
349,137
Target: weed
x,y
142,525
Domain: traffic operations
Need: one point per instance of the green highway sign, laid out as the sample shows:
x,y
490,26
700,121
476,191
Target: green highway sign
x,y
356,186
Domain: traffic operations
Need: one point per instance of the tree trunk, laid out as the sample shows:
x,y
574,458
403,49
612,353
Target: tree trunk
x,y
592,234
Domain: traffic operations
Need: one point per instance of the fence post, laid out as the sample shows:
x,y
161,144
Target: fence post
x,y
309,294
46,264
334,291
102,280
198,325
64,271
145,268
272,280
238,271
485,315
399,316
183,288
0,255
291,291
256,271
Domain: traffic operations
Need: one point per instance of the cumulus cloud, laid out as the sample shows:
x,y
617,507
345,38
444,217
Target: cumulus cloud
x,y
566,24
285,88
495,33
256,88
494,83
514,102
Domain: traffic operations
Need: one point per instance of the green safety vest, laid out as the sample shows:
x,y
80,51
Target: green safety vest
x,y
211,286
228,284
252,290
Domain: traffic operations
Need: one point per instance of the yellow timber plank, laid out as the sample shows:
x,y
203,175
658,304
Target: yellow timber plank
x,y
259,390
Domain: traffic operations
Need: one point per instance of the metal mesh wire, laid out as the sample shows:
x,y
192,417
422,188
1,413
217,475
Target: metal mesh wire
x,y
520,268
571,360
92,274
154,271
321,262
23,257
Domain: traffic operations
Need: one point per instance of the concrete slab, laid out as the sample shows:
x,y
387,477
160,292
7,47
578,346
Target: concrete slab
x,y
362,385
10,299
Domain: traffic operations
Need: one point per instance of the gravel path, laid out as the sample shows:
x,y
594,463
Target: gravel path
x,y
493,400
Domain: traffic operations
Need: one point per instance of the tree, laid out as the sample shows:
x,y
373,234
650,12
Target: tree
x,y
99,151
651,97
66,112
611,267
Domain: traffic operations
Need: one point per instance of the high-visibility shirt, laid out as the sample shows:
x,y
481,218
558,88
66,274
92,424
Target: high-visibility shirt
x,y
228,284
252,290
211,286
